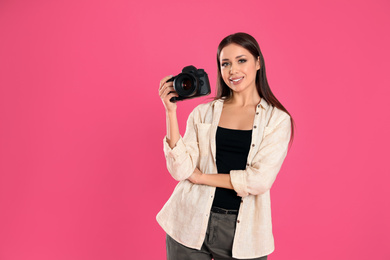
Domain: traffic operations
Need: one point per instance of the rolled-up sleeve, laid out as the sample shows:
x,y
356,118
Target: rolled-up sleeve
x,y
182,159
261,174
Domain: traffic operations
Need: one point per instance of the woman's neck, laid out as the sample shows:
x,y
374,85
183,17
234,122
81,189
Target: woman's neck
x,y
243,99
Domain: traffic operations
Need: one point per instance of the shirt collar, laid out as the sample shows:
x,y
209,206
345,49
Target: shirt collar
x,y
264,104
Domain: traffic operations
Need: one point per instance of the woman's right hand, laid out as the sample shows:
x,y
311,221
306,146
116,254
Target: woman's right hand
x,y
166,92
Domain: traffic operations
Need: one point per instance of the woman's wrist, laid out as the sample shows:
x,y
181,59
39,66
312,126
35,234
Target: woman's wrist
x,y
170,113
202,179
215,180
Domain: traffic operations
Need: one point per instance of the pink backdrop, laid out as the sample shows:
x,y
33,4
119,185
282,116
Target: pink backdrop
x,y
82,171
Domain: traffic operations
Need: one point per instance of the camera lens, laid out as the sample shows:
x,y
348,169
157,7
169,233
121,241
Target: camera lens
x,y
185,85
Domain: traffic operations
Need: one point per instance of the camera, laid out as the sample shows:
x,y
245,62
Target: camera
x,y
190,83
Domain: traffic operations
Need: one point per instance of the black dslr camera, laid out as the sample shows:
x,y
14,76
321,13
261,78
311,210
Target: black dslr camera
x,y
190,83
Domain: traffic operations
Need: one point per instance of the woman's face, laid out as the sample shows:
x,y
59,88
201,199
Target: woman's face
x,y
238,68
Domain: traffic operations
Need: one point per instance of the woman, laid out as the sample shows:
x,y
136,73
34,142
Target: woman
x,y
226,162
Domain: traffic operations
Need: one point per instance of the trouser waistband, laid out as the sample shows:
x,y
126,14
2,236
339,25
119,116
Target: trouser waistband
x,y
224,211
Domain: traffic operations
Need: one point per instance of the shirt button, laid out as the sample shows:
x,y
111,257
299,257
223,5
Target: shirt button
x,y
247,164
258,105
254,126
238,221
242,201
257,113
253,145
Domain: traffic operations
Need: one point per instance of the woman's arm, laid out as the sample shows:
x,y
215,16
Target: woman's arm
x,y
181,154
173,133
215,180
166,92
260,175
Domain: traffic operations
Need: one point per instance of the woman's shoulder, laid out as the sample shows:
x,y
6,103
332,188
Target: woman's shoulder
x,y
277,115
204,112
208,105
277,112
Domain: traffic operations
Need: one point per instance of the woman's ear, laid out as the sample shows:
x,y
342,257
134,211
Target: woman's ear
x,y
258,63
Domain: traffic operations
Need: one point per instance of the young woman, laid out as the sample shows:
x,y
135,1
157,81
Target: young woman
x,y
226,162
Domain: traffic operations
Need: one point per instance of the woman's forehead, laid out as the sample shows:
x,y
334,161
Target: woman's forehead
x,y
232,51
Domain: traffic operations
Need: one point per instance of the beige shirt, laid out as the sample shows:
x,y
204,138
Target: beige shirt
x,y
186,213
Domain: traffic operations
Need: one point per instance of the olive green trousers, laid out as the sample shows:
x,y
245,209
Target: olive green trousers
x,y
217,245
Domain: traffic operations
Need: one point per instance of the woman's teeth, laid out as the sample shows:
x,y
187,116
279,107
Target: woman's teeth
x,y
236,80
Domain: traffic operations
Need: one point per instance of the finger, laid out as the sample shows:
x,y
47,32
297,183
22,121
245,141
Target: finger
x,y
165,85
169,96
164,80
166,97
169,88
168,84
165,91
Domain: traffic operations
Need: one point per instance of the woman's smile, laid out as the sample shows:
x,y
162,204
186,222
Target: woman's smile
x,y
236,80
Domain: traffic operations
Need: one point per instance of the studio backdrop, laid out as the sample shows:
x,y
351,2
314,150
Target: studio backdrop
x,y
82,169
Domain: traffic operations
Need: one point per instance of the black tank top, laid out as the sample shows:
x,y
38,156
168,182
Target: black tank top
x,y
232,148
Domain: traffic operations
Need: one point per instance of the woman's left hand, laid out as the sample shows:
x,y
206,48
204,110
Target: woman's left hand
x,y
196,176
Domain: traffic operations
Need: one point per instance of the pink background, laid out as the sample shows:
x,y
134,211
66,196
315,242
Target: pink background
x,y
82,171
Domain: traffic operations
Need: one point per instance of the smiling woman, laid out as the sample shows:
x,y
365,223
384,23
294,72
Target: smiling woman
x,y
238,68
226,162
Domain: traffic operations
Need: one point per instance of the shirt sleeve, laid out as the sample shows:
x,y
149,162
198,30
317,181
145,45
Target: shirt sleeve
x,y
182,159
261,174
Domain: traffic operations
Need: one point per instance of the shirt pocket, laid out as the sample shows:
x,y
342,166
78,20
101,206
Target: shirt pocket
x,y
204,138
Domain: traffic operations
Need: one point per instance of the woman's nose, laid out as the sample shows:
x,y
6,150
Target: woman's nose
x,y
233,69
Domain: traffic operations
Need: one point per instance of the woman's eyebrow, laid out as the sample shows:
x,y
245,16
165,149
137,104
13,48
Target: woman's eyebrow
x,y
236,57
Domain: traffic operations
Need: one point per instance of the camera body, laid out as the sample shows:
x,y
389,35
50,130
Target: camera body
x,y
190,83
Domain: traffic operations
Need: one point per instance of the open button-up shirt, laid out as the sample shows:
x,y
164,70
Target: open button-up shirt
x,y
186,213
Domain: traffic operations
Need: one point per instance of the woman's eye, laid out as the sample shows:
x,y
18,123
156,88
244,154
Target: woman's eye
x,y
224,64
242,61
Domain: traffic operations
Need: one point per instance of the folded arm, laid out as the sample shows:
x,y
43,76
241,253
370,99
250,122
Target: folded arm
x,y
261,174
215,180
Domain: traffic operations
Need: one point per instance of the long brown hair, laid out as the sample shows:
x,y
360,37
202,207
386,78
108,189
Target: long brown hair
x,y
248,42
